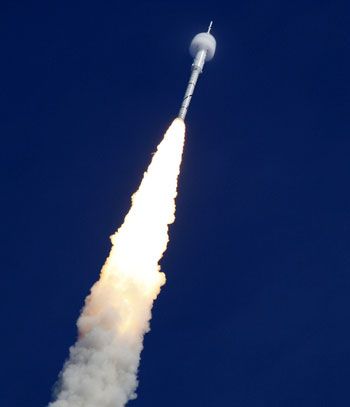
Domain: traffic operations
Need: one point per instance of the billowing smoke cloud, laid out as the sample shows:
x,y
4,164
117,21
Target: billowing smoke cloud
x,y
102,367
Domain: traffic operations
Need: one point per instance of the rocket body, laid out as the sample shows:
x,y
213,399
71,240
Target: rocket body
x,y
202,49
197,68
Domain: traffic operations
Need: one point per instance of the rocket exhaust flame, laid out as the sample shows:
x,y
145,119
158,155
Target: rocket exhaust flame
x,y
103,363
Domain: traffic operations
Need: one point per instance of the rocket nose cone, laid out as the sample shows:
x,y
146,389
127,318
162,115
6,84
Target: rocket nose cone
x,y
203,41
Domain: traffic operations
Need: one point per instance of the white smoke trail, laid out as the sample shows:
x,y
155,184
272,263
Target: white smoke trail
x,y
102,367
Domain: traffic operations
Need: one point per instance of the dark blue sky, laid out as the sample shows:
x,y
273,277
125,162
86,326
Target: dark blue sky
x,y
256,308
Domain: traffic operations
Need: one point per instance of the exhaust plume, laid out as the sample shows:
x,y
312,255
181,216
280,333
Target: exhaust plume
x,y
102,366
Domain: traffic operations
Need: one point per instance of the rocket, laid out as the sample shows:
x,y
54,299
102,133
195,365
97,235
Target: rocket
x,y
202,48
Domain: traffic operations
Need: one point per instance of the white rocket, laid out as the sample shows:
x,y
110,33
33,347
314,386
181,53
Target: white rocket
x,y
202,48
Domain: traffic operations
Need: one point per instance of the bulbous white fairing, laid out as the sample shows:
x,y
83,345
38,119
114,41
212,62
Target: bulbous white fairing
x,y
203,41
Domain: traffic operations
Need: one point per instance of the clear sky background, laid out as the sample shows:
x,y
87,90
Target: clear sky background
x,y
256,308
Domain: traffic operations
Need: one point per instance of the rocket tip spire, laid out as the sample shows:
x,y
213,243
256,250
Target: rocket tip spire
x,y
209,28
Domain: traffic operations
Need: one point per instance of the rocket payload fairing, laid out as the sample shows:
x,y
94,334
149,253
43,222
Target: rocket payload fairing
x,y
202,48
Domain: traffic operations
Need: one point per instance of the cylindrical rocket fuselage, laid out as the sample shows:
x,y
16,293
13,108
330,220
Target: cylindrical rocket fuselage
x,y
203,49
197,68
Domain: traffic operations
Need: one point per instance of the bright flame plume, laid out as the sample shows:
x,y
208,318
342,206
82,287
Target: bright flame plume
x,y
102,366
